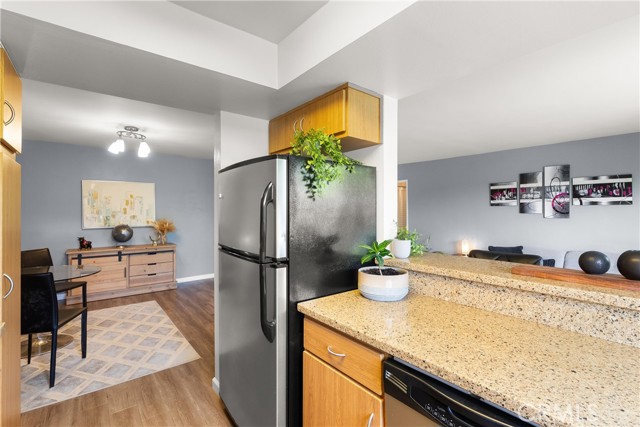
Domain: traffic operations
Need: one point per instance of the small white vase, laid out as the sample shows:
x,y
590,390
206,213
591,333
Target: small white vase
x,y
383,288
401,248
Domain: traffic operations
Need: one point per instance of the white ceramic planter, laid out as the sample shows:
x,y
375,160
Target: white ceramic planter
x,y
401,248
383,288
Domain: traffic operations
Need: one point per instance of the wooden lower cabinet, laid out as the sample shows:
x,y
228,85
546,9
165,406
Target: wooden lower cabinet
x,y
342,379
125,271
330,398
9,294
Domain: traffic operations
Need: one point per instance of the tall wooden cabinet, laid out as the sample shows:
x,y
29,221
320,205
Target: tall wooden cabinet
x,y
11,99
10,143
341,380
350,114
10,307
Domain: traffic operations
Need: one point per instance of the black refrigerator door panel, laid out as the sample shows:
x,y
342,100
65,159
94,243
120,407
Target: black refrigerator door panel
x,y
325,233
248,360
323,253
246,191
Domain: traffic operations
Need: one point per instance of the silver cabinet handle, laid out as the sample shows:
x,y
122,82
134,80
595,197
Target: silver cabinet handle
x,y
294,126
13,113
11,283
301,122
334,353
370,420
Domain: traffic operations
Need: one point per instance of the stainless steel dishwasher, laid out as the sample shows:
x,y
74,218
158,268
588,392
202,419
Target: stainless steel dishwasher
x,y
414,398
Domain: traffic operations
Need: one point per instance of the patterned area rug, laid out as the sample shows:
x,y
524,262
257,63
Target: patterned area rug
x,y
123,343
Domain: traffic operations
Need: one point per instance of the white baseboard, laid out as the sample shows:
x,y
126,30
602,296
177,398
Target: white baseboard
x,y
215,385
194,278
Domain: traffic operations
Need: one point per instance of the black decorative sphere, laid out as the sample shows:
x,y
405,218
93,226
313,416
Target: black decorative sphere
x,y
122,233
593,262
629,265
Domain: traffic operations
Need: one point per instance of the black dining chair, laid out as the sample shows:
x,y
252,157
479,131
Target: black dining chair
x,y
40,313
42,257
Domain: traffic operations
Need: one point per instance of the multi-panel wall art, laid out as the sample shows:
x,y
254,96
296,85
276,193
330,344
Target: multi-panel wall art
x,y
551,191
603,190
503,193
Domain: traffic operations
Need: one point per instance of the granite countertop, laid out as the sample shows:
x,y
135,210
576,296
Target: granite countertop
x,y
499,273
548,375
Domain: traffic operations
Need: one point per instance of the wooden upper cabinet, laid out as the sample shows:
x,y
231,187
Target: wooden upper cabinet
x,y
11,99
346,112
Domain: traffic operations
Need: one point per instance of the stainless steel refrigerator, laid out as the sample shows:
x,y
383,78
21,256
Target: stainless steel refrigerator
x,y
279,247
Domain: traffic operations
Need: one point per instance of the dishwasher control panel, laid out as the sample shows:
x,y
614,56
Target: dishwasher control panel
x,y
427,400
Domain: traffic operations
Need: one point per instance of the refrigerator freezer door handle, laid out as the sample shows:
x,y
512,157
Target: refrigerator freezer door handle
x,y
268,326
267,197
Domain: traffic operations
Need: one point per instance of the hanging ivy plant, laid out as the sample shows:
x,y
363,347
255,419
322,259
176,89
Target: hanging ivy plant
x,y
325,161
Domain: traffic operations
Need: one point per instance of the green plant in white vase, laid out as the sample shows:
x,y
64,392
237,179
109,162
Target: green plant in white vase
x,y
407,243
381,283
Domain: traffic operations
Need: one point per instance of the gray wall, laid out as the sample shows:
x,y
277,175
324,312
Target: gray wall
x,y
449,199
51,199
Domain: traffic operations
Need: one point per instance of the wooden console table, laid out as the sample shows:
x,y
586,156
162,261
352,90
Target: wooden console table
x,y
128,270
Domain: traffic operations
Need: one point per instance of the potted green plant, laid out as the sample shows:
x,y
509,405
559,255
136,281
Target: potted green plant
x,y
325,162
381,283
407,243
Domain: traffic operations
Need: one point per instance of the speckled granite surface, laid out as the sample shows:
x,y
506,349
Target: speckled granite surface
x,y
599,312
499,273
549,375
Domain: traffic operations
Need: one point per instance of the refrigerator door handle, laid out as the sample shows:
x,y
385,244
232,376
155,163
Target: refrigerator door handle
x,y
268,326
267,197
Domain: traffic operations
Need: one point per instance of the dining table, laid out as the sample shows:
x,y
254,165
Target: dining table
x,y
62,277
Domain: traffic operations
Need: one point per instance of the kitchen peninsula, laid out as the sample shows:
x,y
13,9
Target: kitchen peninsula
x,y
559,354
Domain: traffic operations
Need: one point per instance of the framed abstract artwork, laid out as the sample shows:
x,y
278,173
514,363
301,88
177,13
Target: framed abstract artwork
x,y
106,204
603,190
503,193
557,191
530,193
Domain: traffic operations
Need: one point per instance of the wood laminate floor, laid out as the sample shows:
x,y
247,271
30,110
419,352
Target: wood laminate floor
x,y
180,396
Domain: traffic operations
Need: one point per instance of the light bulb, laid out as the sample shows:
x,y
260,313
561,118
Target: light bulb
x,y
117,146
143,149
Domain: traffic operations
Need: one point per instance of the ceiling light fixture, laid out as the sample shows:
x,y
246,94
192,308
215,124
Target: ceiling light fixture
x,y
117,146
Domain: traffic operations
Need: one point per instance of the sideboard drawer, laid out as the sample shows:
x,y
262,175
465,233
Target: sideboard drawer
x,y
150,279
145,269
150,258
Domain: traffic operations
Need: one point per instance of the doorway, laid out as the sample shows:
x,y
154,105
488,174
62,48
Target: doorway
x,y
403,211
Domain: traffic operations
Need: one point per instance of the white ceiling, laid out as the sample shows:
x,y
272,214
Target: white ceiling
x,y
270,20
471,77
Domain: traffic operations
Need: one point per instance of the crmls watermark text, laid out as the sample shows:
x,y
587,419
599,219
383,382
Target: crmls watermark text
x,y
575,415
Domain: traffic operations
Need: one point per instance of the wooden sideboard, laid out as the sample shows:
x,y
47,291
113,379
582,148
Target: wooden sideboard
x,y
127,270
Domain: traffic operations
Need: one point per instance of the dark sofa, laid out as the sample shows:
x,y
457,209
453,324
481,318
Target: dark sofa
x,y
506,256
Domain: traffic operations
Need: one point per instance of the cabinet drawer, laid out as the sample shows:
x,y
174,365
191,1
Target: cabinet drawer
x,y
356,360
146,269
150,258
151,279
